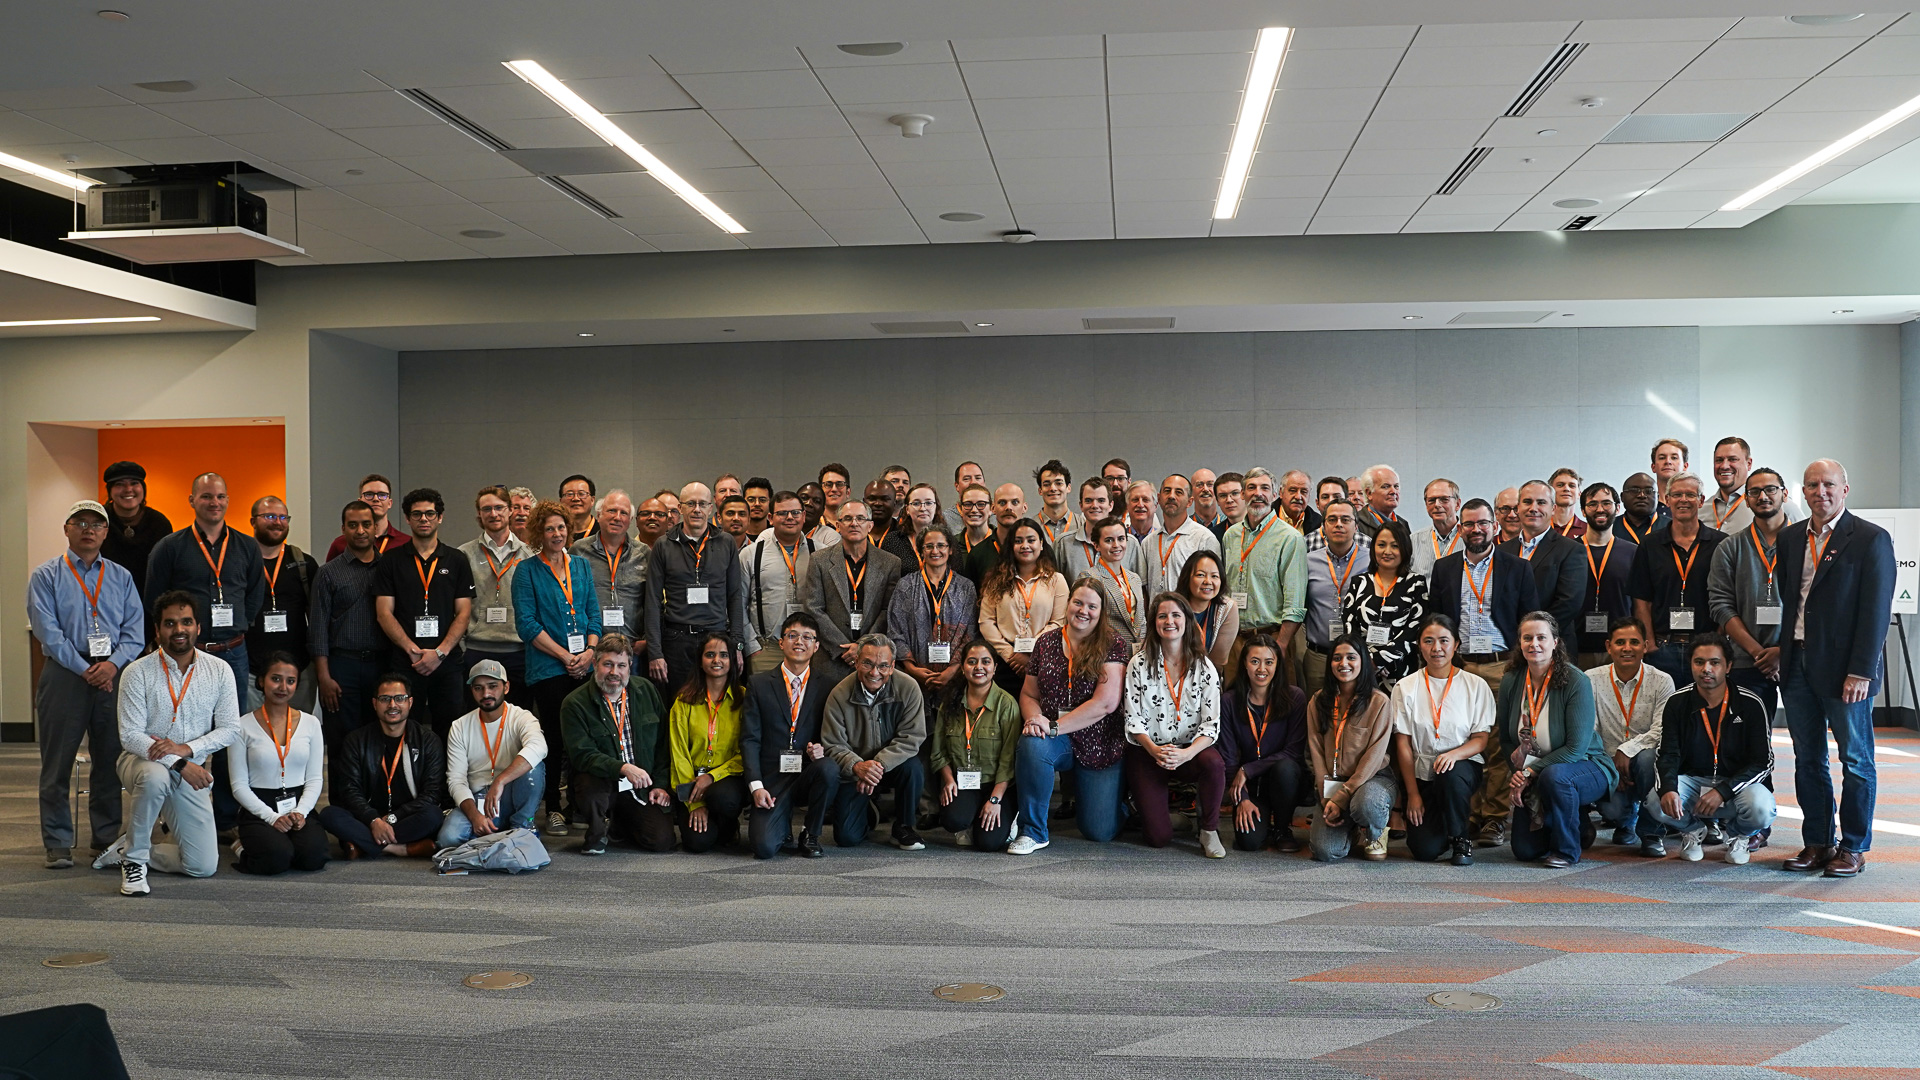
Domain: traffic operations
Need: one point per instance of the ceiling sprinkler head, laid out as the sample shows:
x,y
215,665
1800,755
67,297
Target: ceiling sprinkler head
x,y
911,125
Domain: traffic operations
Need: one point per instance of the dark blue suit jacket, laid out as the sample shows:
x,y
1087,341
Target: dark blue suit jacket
x,y
1561,580
1513,592
763,729
1848,608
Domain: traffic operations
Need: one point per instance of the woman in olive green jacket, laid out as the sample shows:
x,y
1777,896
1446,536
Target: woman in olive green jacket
x,y
972,749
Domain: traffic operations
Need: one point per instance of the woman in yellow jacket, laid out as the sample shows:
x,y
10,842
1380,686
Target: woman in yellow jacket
x,y
703,735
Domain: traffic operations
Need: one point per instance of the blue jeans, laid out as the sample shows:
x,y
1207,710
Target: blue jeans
x,y
1672,659
1750,810
1809,716
1367,811
1563,788
518,802
1038,758
1622,804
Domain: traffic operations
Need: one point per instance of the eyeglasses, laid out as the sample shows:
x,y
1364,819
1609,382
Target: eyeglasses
x,y
391,699
90,526
272,519
799,638
974,504
375,496
923,504
423,515
788,513
1683,496
834,485
1769,490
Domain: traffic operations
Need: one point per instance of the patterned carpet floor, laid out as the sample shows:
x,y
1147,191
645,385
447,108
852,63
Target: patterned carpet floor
x,y
1117,961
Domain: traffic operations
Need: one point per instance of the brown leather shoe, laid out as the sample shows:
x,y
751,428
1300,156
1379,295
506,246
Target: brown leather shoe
x,y
419,848
1812,857
1846,864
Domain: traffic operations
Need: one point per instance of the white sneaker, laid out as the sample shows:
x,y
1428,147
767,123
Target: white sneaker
x,y
115,854
133,879
963,838
1737,850
1025,845
1210,845
1374,849
1690,845
235,847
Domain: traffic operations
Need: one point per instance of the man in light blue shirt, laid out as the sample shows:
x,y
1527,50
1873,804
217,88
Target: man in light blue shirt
x,y
85,612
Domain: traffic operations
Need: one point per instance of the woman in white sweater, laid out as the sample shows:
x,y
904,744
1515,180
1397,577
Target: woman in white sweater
x,y
275,770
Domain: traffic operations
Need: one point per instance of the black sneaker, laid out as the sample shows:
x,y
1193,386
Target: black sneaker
x,y
906,839
594,847
810,846
1715,835
1653,847
1462,851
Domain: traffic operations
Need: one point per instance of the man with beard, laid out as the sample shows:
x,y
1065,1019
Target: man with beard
x,y
391,777
759,495
732,519
1641,511
1266,564
520,504
1609,563
1559,565
496,779
1743,587
612,726
494,555
423,597
283,624
1442,538
1118,474
343,632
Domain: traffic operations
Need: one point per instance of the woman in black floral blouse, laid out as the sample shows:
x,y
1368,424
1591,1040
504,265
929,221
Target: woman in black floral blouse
x,y
1383,608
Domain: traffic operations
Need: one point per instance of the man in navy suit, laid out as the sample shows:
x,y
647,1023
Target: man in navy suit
x,y
1836,594
780,745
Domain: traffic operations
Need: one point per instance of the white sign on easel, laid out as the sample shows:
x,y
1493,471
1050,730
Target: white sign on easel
x,y
1904,526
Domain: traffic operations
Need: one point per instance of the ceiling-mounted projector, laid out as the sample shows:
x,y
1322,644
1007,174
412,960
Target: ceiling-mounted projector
x,y
181,213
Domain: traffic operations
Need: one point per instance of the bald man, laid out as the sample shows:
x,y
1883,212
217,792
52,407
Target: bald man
x,y
221,569
696,586
1506,514
1009,506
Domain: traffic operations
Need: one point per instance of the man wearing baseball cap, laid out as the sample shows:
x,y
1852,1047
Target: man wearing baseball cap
x,y
496,761
86,614
133,527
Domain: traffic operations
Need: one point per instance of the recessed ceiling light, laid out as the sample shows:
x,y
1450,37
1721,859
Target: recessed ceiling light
x,y
961,215
1269,53
596,122
1822,20
1843,311
482,234
113,16
77,183
1876,126
1575,204
82,322
873,48
1548,131
983,324
1413,318
583,334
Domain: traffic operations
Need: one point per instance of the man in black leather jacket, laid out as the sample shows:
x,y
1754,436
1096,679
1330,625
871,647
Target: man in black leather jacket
x,y
393,778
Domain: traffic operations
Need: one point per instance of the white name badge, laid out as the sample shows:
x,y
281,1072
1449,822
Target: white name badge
x,y
1336,628
426,626
1596,622
1328,787
854,619
939,652
222,615
967,779
99,646
274,622
1240,600
1378,635
1680,618
576,643
789,763
1532,760
613,617
1767,614
696,594
496,614
285,806
625,784
1023,644
1480,643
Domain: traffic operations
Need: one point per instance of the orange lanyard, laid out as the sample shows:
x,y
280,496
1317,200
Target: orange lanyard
x,y
972,719
937,599
566,583
217,567
398,753
1255,542
1066,650
1480,592
1567,529
93,597
1819,549
1626,708
1025,589
792,559
426,578
1052,537
1340,577
1753,533
700,553
620,720
496,569
1605,554
1126,594
1166,550
493,748
1175,691
1452,543
1340,730
1720,519
1684,570
1536,703
1436,706
613,569
713,725
1628,525
1713,730
273,580
966,537
1259,731
166,668
279,747
853,583
794,698
882,538
1383,591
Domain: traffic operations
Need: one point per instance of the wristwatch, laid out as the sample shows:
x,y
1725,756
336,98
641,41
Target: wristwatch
x,y
994,800
180,766
393,819
1053,728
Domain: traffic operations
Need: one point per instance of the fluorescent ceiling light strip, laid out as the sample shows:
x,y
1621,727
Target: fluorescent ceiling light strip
x,y
543,81
1268,54
77,183
1874,127
82,322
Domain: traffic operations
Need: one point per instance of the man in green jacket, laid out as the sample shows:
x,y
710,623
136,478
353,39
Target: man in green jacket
x,y
612,727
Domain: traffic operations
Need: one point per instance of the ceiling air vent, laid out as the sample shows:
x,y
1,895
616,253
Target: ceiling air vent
x,y
929,327
1580,221
459,123
1562,58
1497,318
1147,322
1465,169
1676,127
544,164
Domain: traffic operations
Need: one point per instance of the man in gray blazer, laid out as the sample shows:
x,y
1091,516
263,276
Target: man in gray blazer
x,y
848,587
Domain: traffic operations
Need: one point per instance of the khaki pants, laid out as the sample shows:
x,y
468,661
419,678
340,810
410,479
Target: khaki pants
x,y
1313,668
766,659
1591,660
1491,802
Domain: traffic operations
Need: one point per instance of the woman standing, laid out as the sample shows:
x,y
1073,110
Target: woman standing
x,y
974,738
1350,729
1383,607
275,773
1173,721
922,510
557,615
1441,717
1071,716
1546,714
931,612
703,735
1263,744
1021,600
1215,613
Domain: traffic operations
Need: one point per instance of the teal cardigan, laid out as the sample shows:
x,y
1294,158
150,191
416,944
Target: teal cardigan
x,y
539,604
1569,720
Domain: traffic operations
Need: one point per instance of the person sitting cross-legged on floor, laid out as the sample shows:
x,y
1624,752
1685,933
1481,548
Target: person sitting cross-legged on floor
x,y
496,761
391,779
1715,755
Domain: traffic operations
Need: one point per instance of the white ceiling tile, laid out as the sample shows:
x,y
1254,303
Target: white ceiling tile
x,y
945,146
460,214
203,90
845,150
413,193
730,178
1403,205
365,171
1313,38
711,240
609,241
1608,156
1640,61
500,189
1502,65
609,186
309,142
646,90
942,198
86,155
1168,110
1531,159
1035,78
19,129
1169,166
488,105
923,51
804,122
283,202
1318,105
793,238
870,197
1161,228
541,132
755,89
1441,161
1777,26
1630,30
107,122
1297,162
878,218
1196,139
1287,138
1832,94
1075,142
1604,184
1422,134
1525,131
694,125
1737,219
1653,220
1267,212
1192,188
1082,230
340,218
1184,73
858,236
1891,54
1324,225
702,155
444,168
179,151
527,247
414,141
865,174
70,97
1293,225
948,117
1053,212
338,81
1382,185
1287,187
773,220
239,116
1339,67
1728,171
1482,182
1565,98
1769,57
1797,126
1039,114
1051,190
1201,41
1683,199
658,212
1437,223
1481,103
916,173
1035,48
1718,95
382,109
1468,35
697,61
1467,205
557,212
893,83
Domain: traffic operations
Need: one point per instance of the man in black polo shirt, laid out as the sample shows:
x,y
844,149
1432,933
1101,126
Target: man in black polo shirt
x,y
695,585
423,595
282,626
1609,567
1669,579
343,633
220,569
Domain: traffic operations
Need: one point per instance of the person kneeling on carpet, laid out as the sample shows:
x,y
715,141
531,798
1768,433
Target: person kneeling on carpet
x,y
612,728
975,736
275,770
1350,729
1173,719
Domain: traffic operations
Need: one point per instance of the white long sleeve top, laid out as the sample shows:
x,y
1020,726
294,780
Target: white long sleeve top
x,y
255,762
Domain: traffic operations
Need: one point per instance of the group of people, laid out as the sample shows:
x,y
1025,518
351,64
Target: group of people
x,y
1235,643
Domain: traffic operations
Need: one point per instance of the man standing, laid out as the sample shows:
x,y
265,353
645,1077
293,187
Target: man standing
x,y
1053,482
493,555
343,633
759,495
576,494
621,772
1231,497
785,761
423,597
1118,474
1266,564
836,484
1743,587
1334,555
1836,583
1506,513
520,504
776,570
1629,700
1641,511
1669,459
1716,755
1140,510
734,515
967,474
392,777
1009,506
1382,491
976,515
651,522
848,587
1442,500
221,570
1328,489
891,532
619,569
133,526
495,780
177,707
1609,573
900,479
1730,511
1205,510
1295,501
874,722
1566,503
282,626
86,615
1560,576
727,486
694,585
1669,578
1178,536
1077,554
377,491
